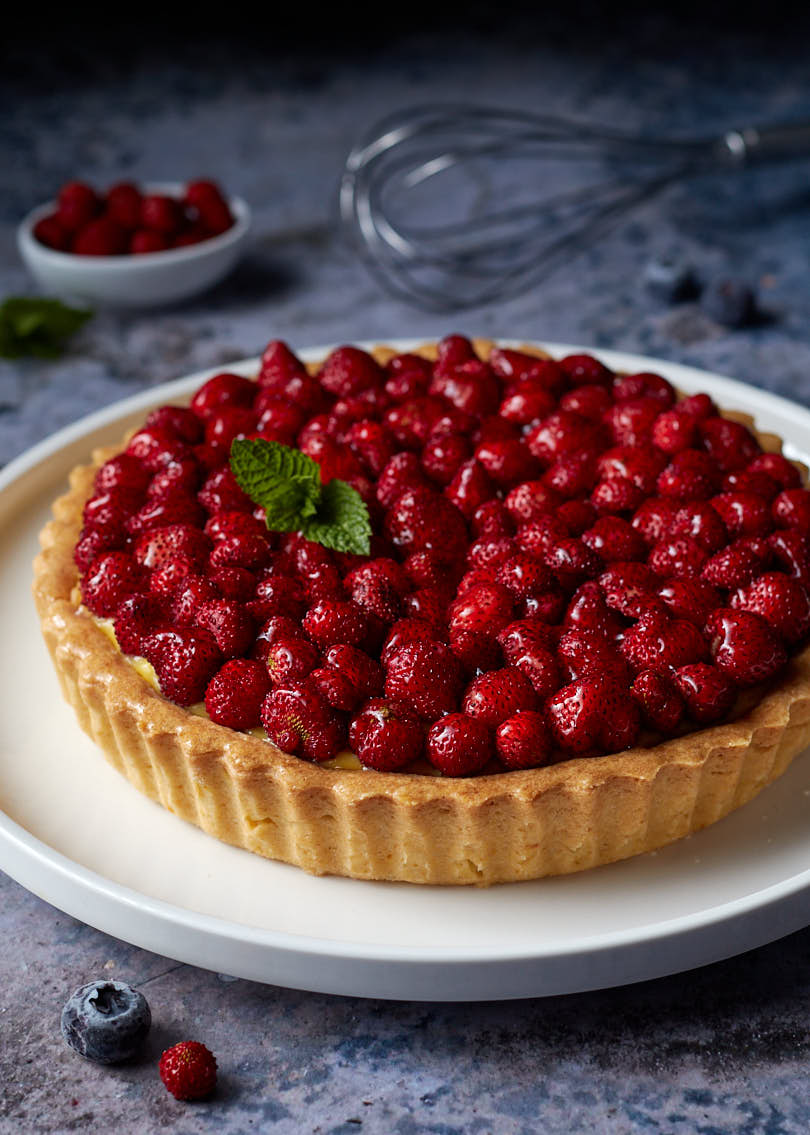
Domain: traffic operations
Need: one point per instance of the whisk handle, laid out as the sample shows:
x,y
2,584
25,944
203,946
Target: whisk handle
x,y
755,144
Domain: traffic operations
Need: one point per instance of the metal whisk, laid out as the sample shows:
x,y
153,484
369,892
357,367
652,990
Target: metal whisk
x,y
437,230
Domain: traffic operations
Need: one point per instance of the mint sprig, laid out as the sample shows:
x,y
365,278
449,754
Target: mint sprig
x,y
31,325
287,485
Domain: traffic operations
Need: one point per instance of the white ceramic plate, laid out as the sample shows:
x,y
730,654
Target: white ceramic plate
x,y
77,834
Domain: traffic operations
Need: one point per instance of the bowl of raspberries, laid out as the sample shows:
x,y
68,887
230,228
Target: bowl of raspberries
x,y
134,246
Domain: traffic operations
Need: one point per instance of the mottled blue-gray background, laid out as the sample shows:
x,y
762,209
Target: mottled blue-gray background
x,y
272,115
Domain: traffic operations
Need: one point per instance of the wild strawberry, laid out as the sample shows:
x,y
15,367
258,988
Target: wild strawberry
x,y
700,522
491,553
518,637
540,666
371,444
178,421
136,618
300,722
186,598
275,628
791,509
459,745
572,562
406,631
181,477
498,694
454,421
576,515
707,692
673,432
179,508
235,694
407,384
153,548
518,366
185,660
92,542
523,741
640,464
782,602
426,676
443,455
279,364
590,401
645,384
471,386
278,595
616,494
681,557
428,604
730,444
690,599
629,588
156,446
697,406
475,650
188,1070
584,652
526,403
221,391
330,621
659,700
529,500
751,481
612,538
402,472
378,586
524,576
148,240
470,487
507,462
572,474
248,551
690,475
411,423
234,583
475,576
744,646
229,623
560,434
777,466
492,429
121,472
224,525
486,609
348,371
221,493
123,202
361,670
335,688
585,369
224,425
631,422
428,569
588,610
744,514
278,419
653,519
658,642
173,571
791,548
112,511
421,520
290,659
387,735
593,715
109,580
737,564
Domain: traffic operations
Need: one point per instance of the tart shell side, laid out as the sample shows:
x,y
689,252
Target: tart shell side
x,y
505,827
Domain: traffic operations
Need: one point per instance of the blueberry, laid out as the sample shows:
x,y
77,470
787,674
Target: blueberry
x,y
106,1021
730,302
670,279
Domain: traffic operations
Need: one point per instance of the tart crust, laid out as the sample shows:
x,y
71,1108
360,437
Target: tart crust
x,y
498,828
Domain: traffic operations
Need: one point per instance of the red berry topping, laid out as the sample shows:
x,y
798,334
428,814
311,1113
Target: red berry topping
x,y
137,617
331,621
147,240
498,694
791,509
387,735
707,693
659,700
222,391
235,694
459,745
523,741
593,715
189,1070
782,602
78,204
290,659
777,466
229,623
110,579
612,538
300,721
744,646
658,642
185,659
425,676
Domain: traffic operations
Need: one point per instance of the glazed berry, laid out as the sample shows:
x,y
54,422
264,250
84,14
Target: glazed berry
x,y
791,549
406,631
744,514
702,523
188,1070
363,672
744,646
589,611
654,518
523,741
425,676
137,617
730,443
229,623
708,693
459,745
737,563
498,694
278,595
205,199
656,643
291,659
301,722
387,735
659,700
613,538
78,205
153,548
185,659
673,432
187,597
235,694
629,588
527,403
691,599
690,476
572,562
631,422
582,369
221,391
593,715
681,557
348,370
106,1021
791,509
469,488
101,237
583,652
590,401
485,608
782,602
777,466
530,500
109,580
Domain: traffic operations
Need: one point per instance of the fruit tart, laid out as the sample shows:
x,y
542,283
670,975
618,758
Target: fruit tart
x,y
466,614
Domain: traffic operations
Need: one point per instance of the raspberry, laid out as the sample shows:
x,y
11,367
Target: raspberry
x,y
109,580
51,232
744,646
425,676
791,509
736,564
707,693
497,695
523,741
459,745
101,237
77,205
222,391
658,698
612,538
348,371
386,735
185,659
588,652
782,602
299,721
332,621
593,715
744,514
123,202
290,659
229,623
189,1070
657,642
235,694
136,618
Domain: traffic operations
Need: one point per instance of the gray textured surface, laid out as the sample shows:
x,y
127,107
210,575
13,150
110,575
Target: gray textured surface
x,y
721,1050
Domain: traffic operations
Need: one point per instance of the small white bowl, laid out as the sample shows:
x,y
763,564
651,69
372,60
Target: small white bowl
x,y
144,280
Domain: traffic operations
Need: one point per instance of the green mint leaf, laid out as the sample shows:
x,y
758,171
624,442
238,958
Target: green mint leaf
x,y
283,481
31,325
341,522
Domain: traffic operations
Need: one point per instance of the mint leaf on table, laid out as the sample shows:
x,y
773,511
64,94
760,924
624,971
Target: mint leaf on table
x,y
287,485
31,325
